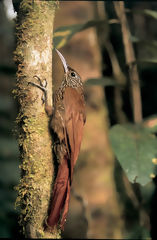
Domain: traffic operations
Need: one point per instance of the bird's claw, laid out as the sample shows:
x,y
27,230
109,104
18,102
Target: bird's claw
x,y
42,86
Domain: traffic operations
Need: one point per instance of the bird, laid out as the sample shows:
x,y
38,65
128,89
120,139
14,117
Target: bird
x,y
67,119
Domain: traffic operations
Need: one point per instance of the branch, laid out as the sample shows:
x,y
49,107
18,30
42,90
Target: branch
x,y
131,62
104,42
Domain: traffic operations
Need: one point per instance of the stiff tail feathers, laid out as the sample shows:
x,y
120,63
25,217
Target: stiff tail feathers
x,y
60,198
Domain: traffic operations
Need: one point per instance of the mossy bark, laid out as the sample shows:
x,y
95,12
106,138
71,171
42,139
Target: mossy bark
x,y
33,56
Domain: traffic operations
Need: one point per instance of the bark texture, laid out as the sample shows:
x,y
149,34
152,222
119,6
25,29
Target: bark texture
x,y
33,56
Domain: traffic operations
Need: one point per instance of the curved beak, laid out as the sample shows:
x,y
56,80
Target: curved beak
x,y
65,65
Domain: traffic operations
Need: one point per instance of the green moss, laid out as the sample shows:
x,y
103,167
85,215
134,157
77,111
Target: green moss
x,y
33,167
34,140
26,6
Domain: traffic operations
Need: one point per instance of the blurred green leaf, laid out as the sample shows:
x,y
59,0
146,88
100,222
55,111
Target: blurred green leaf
x,y
135,39
147,12
63,34
104,81
149,50
150,13
147,60
135,148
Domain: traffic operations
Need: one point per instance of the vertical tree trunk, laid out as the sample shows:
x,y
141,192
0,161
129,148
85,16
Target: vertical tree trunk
x,y
34,57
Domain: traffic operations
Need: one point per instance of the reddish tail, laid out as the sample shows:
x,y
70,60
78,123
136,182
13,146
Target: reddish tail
x,y
61,195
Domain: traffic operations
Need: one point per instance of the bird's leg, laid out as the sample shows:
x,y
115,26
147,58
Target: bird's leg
x,y
43,87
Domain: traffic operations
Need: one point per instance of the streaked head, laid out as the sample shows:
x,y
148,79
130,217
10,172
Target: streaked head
x,y
72,78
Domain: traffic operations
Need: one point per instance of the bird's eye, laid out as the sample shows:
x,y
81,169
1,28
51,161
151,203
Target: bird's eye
x,y
73,74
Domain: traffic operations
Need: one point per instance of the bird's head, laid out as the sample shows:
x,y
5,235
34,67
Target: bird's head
x,y
71,77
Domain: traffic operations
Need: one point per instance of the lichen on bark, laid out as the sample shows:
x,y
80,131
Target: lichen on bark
x,y
33,55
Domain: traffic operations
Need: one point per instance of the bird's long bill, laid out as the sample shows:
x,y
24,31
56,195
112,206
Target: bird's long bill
x,y
63,61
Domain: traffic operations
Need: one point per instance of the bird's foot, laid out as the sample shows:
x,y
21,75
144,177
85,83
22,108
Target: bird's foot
x,y
42,85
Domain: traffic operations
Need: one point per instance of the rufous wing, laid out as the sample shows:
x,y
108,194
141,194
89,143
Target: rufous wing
x,y
74,121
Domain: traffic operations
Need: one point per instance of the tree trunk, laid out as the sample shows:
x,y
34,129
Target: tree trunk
x,y
33,55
